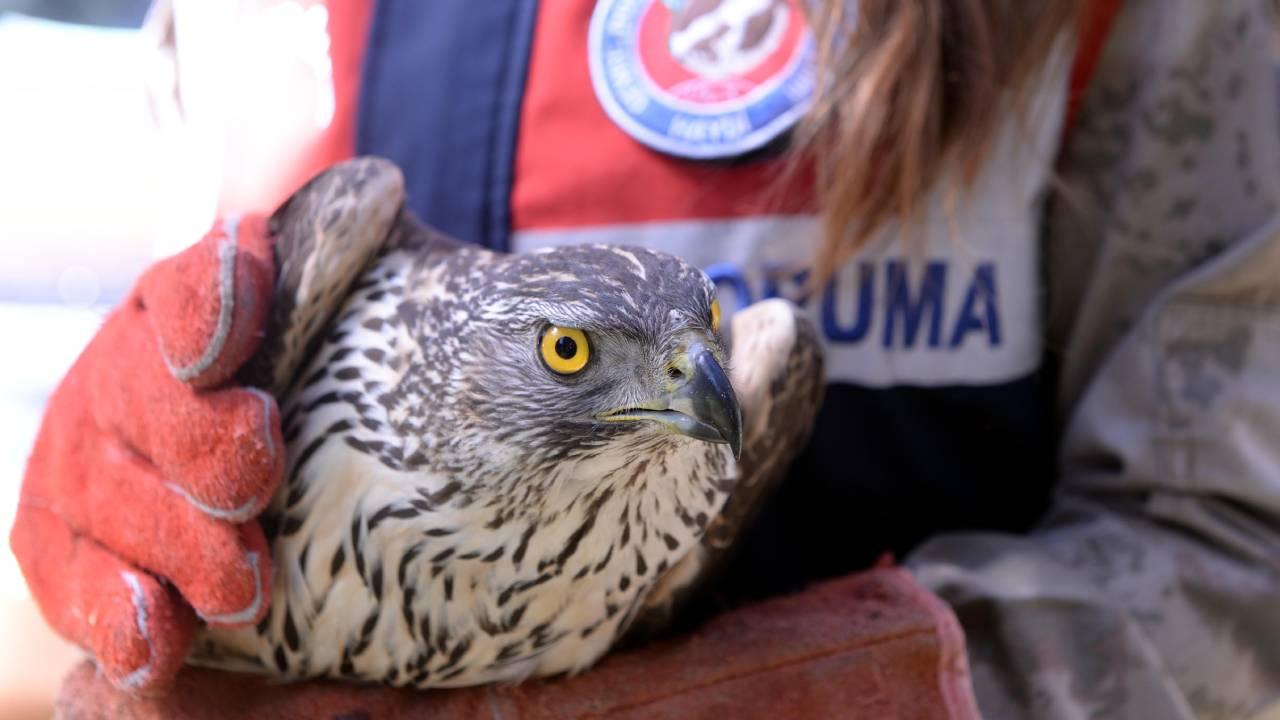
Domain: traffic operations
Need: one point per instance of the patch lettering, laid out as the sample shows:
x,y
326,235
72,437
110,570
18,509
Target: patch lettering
x,y
944,315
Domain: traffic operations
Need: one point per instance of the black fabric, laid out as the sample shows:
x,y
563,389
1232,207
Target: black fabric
x,y
887,468
440,96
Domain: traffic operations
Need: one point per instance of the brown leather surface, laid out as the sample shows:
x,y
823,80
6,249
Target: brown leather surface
x,y
871,645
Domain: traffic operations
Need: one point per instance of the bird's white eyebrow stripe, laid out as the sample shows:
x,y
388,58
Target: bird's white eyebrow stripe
x,y
644,275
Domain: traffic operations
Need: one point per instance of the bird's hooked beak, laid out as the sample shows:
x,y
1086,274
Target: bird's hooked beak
x,y
700,402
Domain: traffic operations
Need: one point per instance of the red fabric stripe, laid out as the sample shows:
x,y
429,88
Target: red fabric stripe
x,y
348,31
1095,27
575,168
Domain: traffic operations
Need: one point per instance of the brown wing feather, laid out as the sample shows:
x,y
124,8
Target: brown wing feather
x,y
327,233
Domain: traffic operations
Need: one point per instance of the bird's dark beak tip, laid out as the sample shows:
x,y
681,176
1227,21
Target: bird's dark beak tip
x,y
713,399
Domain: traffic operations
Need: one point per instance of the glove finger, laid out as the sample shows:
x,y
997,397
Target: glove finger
x,y
222,570
222,450
138,631
208,304
235,469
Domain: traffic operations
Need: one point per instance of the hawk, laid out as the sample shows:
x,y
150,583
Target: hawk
x,y
499,465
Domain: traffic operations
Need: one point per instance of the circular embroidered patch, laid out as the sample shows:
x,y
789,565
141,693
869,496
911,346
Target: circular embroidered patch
x,y
702,78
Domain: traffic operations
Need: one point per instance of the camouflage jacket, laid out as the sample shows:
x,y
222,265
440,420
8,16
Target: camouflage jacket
x,y
1152,589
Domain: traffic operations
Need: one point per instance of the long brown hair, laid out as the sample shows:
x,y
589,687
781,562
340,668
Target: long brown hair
x,y
908,88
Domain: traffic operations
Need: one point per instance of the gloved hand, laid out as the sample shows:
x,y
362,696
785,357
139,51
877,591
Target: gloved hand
x,y
138,501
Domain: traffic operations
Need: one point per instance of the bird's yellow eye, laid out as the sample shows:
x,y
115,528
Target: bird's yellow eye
x,y
715,316
565,350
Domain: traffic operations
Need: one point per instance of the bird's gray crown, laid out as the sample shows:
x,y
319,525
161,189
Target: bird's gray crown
x,y
480,372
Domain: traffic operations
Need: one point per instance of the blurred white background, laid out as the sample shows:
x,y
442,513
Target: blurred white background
x,y
88,197
123,125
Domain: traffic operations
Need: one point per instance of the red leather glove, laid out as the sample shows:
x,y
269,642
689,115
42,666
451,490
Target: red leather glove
x,y
138,501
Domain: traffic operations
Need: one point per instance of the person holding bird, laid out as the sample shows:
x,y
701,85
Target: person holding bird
x,y
1035,241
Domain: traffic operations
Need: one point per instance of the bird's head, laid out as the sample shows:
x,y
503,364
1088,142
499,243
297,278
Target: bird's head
x,y
579,350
